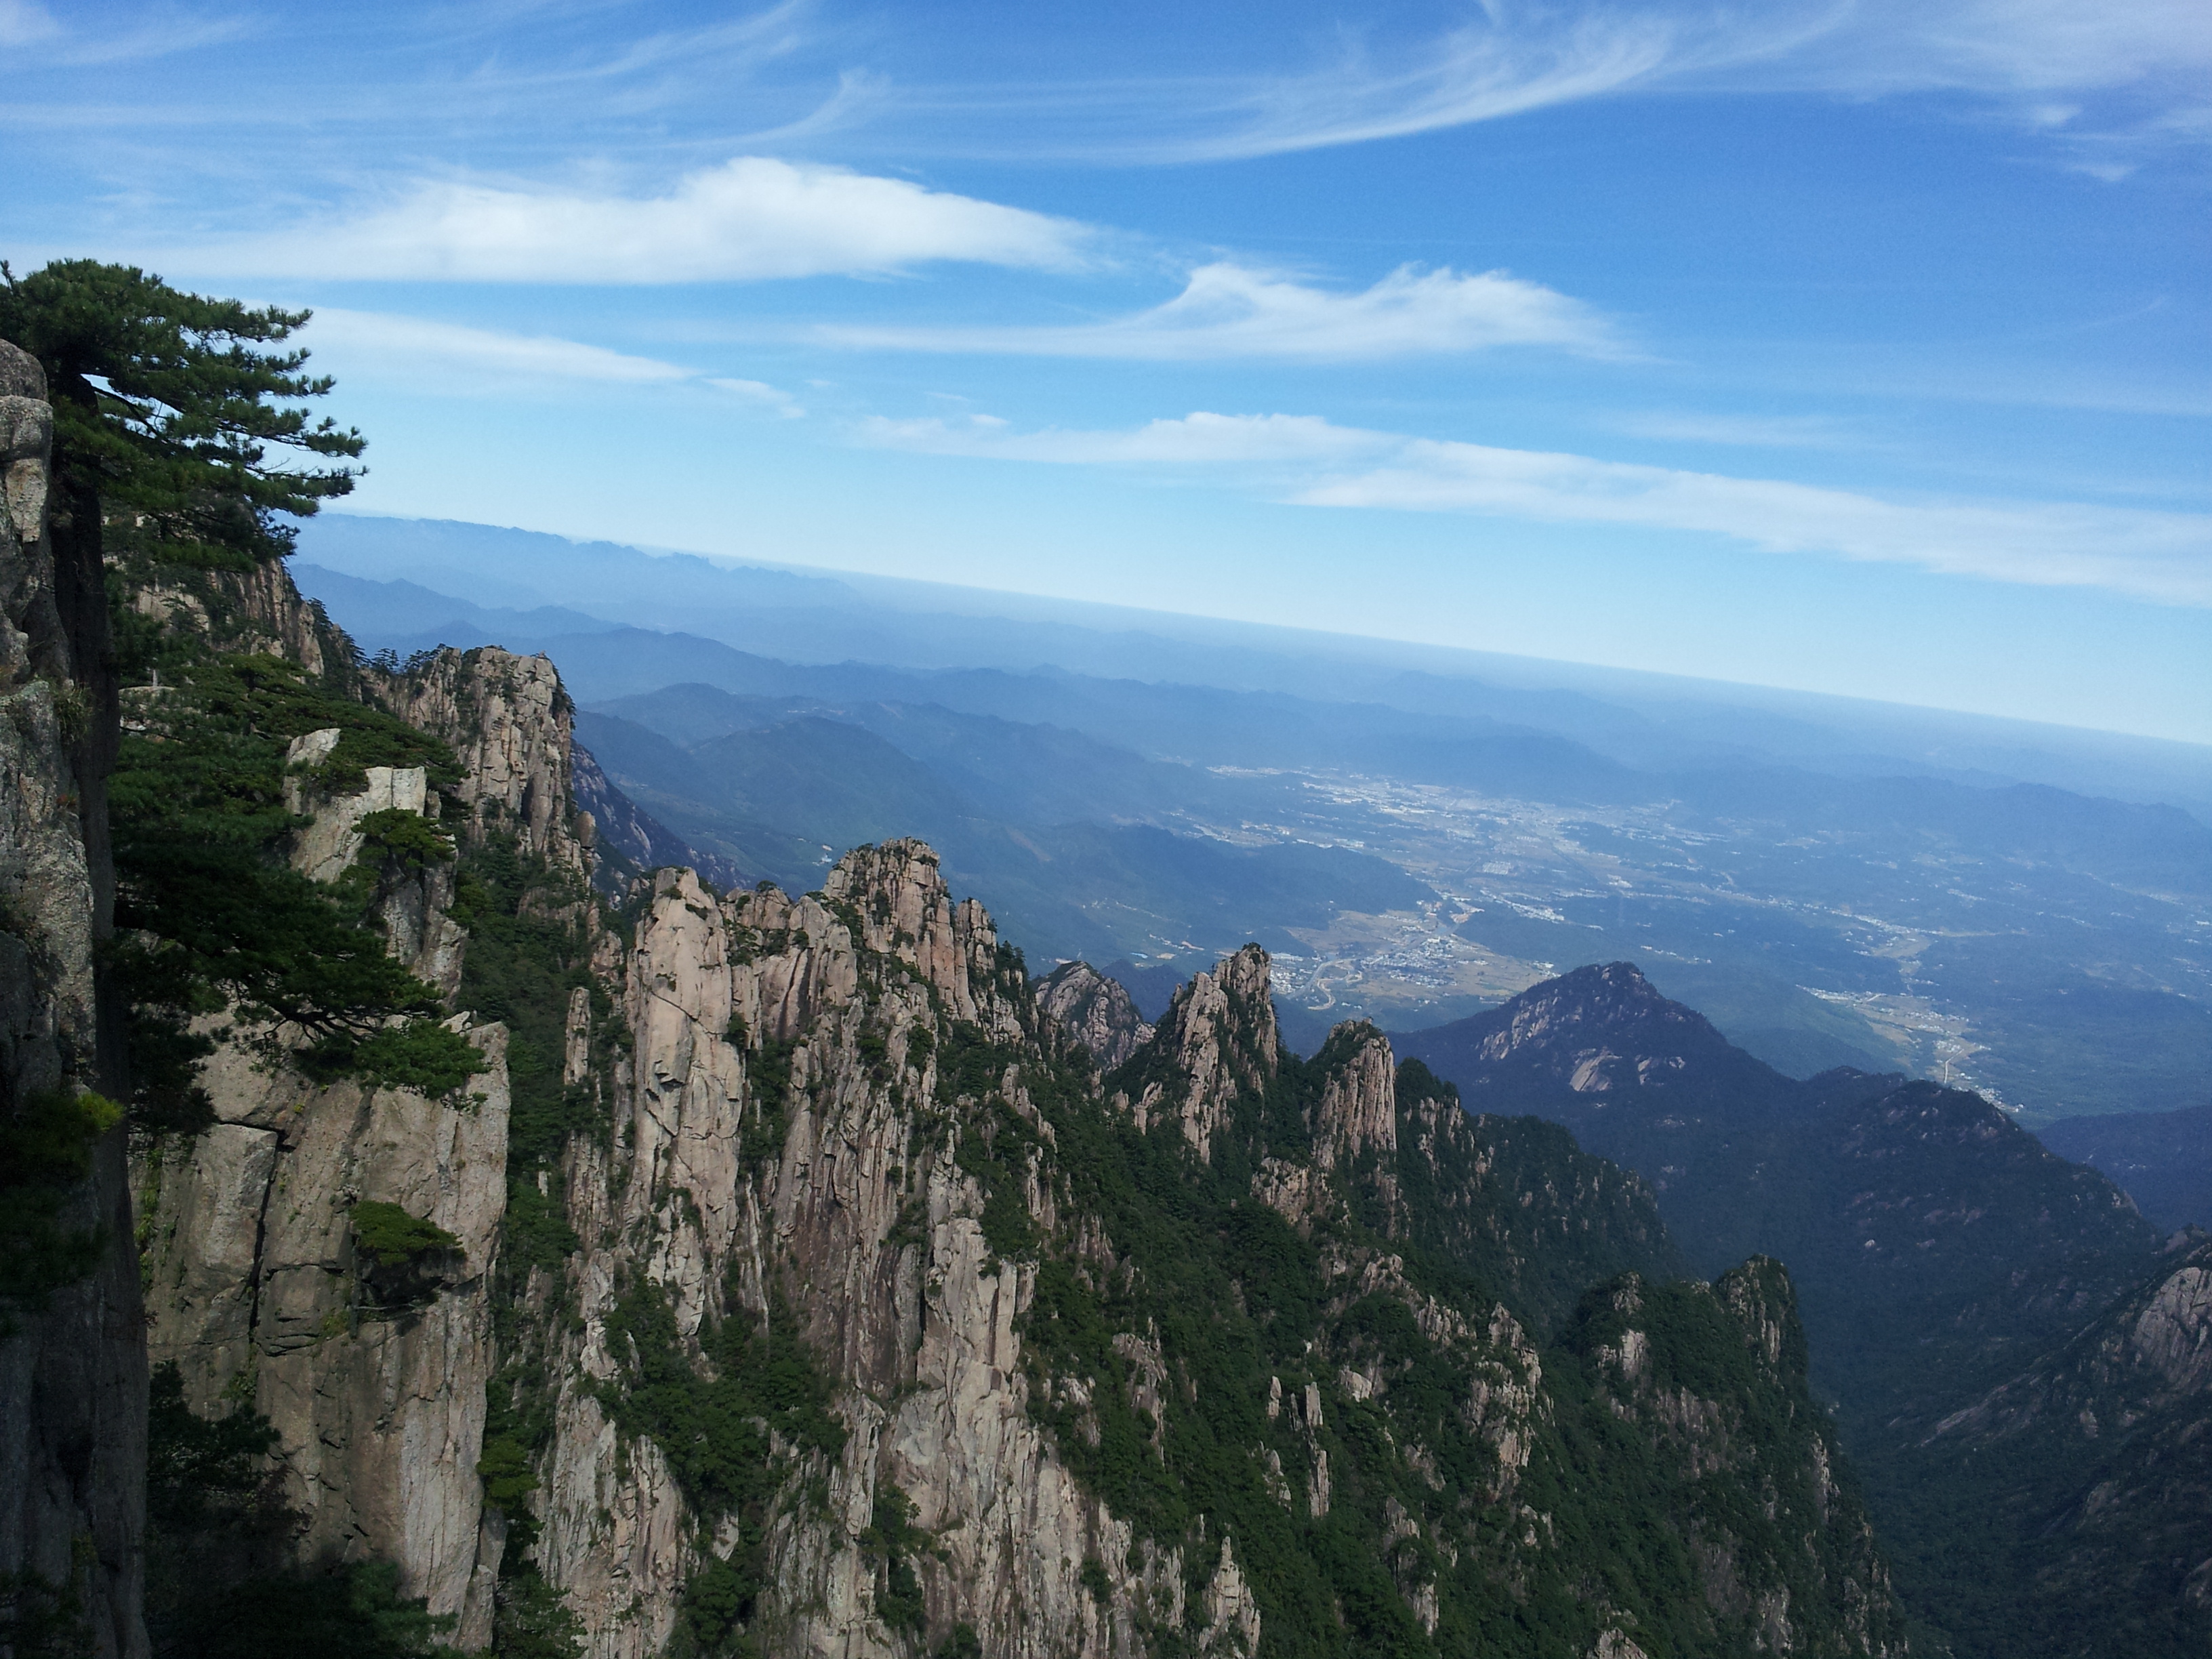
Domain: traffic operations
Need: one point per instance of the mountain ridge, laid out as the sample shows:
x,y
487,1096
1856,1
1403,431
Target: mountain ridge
x,y
1941,1253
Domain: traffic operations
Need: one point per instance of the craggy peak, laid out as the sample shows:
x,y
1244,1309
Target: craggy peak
x,y
1601,1051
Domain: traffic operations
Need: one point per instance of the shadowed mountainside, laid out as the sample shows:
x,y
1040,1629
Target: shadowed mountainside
x,y
2163,1159
1939,1251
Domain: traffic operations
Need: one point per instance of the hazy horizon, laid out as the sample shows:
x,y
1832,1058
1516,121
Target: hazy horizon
x,y
1839,347
923,595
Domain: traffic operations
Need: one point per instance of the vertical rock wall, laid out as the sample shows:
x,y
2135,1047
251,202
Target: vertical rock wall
x,y
257,1287
72,1375
862,1215
512,726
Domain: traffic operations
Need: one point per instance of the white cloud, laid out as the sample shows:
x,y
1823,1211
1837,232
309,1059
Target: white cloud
x,y
749,218
1200,439
1474,74
411,344
25,22
2023,46
1742,431
450,356
2034,57
1229,311
760,393
2164,556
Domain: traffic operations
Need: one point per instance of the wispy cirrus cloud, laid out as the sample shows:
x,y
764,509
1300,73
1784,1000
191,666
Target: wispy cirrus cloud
x,y
2103,81
423,352
1740,431
750,219
1307,460
1197,439
1232,311
401,344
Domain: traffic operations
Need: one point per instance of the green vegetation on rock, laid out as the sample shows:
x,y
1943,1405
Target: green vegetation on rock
x,y
45,1160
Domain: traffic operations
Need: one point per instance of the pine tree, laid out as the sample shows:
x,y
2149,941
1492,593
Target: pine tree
x,y
179,425
169,404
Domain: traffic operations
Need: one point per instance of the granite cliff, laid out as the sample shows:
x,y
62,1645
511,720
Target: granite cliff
x,y
793,1275
72,1354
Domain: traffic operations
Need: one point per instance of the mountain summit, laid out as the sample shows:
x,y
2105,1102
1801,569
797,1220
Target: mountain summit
x,y
1938,1248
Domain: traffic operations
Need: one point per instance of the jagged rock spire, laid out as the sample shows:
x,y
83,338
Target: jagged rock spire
x,y
1359,1108
1220,1032
906,910
1094,1010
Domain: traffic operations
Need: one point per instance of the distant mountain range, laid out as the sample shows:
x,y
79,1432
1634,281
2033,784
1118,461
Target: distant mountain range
x,y
1412,847
1957,1281
820,617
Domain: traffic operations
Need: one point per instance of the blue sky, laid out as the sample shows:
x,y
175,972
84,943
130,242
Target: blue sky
x,y
1853,347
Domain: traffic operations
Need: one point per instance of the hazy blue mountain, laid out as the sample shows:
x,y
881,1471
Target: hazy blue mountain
x,y
775,797
404,615
1793,1031
2162,1159
2050,945
1638,718
1911,1214
1031,772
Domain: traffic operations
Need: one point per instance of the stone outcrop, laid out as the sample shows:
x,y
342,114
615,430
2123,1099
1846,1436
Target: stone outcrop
x,y
1220,1030
511,726
257,1287
861,1214
256,612
842,1130
73,1367
1358,1111
1098,1013
326,848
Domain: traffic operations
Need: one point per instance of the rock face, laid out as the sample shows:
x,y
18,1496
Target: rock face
x,y
72,1367
1219,1043
1095,1011
846,1106
812,1296
860,1213
326,848
258,1288
511,726
256,1284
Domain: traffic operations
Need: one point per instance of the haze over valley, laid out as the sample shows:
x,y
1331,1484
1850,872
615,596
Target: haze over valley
x,y
986,831
1412,837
